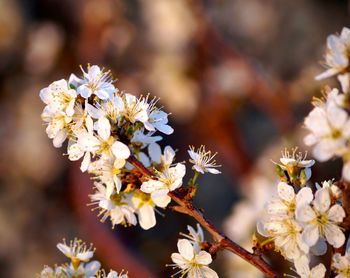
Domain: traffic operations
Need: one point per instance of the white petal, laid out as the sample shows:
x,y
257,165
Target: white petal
x,y
104,128
91,268
120,150
336,213
155,152
208,272
310,235
147,216
151,186
203,258
318,271
334,235
322,200
304,196
169,155
185,248
302,266
60,138
305,213
213,171
86,162
285,191
166,129
161,201
85,256
93,111
179,260
328,73
64,249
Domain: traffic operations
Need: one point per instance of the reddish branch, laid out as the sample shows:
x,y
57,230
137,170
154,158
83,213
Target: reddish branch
x,y
186,206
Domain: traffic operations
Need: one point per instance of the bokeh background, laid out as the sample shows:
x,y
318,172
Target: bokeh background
x,y
236,75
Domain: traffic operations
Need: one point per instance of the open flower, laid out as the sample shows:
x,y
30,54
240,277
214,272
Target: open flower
x,y
287,237
196,237
116,206
59,97
77,250
195,265
158,120
168,180
322,220
337,55
329,125
287,201
203,160
57,125
94,82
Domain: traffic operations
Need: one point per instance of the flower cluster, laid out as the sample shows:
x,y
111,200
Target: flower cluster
x,y
329,121
80,265
105,127
192,260
299,222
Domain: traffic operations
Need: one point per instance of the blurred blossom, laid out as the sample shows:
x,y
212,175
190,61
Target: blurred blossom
x,y
171,24
176,90
240,225
45,41
230,78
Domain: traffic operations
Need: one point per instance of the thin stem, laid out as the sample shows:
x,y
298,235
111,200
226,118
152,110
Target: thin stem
x,y
219,238
195,176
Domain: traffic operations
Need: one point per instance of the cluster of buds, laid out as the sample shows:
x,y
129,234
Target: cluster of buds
x,y
294,167
80,265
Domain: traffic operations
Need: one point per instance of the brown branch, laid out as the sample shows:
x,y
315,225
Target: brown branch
x,y
219,238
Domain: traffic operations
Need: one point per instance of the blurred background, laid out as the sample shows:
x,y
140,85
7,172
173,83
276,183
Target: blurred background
x,y
236,75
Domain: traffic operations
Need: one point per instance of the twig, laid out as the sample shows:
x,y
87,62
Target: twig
x,y
219,238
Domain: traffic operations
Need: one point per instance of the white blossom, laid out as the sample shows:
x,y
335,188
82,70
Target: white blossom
x,y
58,122
116,206
329,125
322,220
135,109
196,237
158,120
168,180
88,270
190,263
59,97
76,250
94,82
203,160
287,201
337,58
287,237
